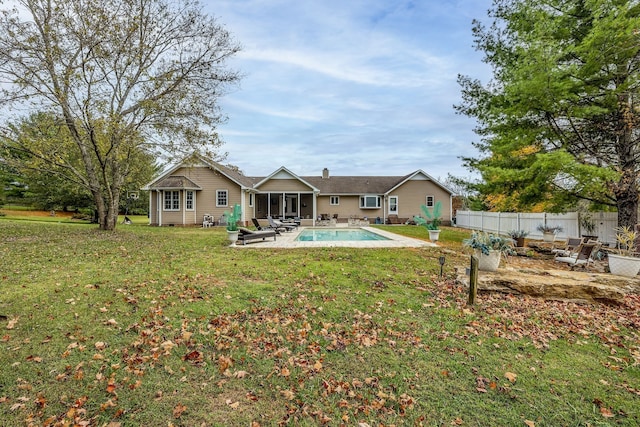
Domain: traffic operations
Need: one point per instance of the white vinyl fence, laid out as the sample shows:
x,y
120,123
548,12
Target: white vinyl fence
x,y
503,222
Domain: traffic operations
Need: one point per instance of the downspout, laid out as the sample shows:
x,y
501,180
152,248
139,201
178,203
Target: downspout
x,y
183,207
243,204
315,207
384,208
150,205
158,206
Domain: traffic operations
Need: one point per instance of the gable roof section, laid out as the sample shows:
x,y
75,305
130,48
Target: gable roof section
x,y
284,173
175,183
199,160
420,174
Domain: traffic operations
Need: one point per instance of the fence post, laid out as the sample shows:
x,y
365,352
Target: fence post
x,y
473,281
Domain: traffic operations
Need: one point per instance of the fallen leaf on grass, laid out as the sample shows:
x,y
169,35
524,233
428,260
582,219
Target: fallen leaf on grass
x,y
179,410
193,357
511,376
12,323
606,412
288,394
529,423
232,404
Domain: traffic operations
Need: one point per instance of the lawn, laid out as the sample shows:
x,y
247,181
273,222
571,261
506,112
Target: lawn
x,y
170,327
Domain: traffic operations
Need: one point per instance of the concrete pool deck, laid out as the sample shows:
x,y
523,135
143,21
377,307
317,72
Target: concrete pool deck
x,y
288,240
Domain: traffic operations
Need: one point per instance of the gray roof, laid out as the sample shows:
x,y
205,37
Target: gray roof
x,y
337,185
354,184
175,183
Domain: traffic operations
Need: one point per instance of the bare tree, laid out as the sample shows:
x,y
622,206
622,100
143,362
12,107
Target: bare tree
x,y
123,76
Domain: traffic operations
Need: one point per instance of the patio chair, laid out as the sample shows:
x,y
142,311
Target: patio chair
x,y
260,227
278,225
208,221
570,248
245,235
583,255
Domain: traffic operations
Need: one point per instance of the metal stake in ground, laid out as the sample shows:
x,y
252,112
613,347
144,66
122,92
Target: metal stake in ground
x,y
473,281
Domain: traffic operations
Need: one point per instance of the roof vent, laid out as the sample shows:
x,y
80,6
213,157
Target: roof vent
x,y
325,173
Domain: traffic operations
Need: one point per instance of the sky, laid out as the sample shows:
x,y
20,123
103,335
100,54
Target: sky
x,y
361,87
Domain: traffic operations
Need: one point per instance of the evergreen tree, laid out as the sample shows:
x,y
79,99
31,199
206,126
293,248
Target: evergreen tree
x,y
559,121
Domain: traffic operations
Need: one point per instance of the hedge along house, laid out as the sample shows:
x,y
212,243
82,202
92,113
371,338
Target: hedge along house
x,y
186,192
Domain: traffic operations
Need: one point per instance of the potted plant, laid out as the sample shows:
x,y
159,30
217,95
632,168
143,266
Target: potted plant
x,y
549,231
232,223
518,237
625,263
588,226
488,248
432,221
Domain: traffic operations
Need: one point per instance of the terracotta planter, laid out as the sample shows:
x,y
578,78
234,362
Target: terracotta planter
x,y
520,242
488,262
624,265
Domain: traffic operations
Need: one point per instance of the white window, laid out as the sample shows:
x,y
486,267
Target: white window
x,y
188,201
222,198
369,202
334,200
430,201
393,205
251,199
171,200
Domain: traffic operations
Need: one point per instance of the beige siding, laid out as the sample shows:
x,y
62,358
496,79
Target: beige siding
x,y
284,185
349,206
205,199
413,194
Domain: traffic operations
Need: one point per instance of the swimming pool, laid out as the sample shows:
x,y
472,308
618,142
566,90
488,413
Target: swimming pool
x,y
337,235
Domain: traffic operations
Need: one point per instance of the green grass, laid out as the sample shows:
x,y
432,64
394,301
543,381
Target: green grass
x,y
170,326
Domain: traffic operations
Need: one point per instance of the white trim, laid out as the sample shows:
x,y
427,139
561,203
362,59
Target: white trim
x,y
331,201
397,205
365,197
186,200
164,195
218,198
426,201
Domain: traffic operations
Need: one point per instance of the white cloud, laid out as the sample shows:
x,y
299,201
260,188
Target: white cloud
x,y
360,87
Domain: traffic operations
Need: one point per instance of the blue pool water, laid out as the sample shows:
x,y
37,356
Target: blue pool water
x,y
333,235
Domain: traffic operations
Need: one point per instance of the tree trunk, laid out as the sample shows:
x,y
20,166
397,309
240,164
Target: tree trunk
x,y
626,193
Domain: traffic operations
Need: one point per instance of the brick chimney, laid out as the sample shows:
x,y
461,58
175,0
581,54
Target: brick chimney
x,y
325,173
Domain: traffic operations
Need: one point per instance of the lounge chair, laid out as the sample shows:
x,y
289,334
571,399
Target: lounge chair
x,y
570,248
260,227
245,235
583,255
279,225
